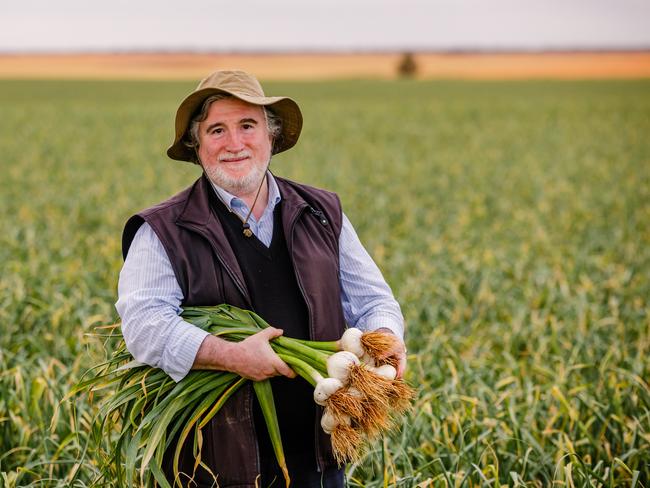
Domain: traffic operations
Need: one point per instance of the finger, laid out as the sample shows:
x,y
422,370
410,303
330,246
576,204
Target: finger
x,y
396,349
401,367
395,346
282,368
271,333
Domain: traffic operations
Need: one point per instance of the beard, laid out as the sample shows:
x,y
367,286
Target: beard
x,y
238,186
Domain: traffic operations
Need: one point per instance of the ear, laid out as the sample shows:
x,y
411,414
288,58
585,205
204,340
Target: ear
x,y
197,158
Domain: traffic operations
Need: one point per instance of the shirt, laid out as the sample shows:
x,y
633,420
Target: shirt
x,y
149,295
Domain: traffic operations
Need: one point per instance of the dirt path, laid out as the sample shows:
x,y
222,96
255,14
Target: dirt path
x,y
328,66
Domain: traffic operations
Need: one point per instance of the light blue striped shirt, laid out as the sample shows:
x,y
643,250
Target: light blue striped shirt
x,y
149,296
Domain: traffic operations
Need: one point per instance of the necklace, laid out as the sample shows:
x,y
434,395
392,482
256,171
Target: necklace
x,y
246,228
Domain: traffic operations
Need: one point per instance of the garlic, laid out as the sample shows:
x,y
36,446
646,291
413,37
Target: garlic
x,y
368,360
351,341
328,422
354,392
325,388
386,371
339,364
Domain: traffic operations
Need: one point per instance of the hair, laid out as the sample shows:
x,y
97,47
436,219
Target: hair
x,y
191,137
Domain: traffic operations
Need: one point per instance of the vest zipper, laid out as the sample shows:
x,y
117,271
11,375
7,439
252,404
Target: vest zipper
x,y
319,215
242,290
258,462
323,221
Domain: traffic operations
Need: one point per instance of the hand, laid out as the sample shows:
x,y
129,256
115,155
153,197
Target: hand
x,y
398,353
253,358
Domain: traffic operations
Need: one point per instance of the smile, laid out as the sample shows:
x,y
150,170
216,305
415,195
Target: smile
x,y
233,160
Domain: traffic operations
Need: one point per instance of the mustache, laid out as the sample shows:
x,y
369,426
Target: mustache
x,y
238,155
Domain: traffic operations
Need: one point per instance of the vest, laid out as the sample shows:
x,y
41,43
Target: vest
x,y
208,273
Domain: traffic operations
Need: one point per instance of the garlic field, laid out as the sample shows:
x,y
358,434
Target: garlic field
x,y
511,219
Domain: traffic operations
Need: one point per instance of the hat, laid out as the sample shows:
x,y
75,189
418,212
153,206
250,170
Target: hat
x,y
245,87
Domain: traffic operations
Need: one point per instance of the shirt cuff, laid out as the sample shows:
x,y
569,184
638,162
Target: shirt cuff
x,y
180,351
378,321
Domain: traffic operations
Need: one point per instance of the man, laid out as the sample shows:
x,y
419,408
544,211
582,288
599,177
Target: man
x,y
242,236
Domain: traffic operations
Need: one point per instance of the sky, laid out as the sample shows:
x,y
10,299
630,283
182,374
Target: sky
x,y
267,25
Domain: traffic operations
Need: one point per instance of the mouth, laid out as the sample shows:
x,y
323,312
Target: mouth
x,y
234,158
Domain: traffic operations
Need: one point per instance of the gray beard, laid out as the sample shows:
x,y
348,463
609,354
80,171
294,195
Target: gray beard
x,y
246,185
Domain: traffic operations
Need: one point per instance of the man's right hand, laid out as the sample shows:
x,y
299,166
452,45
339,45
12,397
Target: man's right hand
x,y
253,358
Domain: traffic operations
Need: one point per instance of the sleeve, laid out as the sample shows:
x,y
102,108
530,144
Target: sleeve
x,y
149,299
367,300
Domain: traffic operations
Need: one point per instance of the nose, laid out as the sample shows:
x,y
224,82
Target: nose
x,y
234,143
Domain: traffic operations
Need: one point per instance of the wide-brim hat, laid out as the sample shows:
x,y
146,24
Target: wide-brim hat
x,y
243,86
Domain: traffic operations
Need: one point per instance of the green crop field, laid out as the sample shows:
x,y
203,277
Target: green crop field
x,y
512,220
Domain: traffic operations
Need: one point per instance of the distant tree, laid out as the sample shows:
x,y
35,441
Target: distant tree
x,y
407,66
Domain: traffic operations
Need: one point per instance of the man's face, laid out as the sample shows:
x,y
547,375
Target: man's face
x,y
234,145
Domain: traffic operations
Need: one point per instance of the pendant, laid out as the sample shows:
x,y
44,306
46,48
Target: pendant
x,y
247,232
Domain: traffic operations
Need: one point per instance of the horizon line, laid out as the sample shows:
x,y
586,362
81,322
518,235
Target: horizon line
x,y
326,51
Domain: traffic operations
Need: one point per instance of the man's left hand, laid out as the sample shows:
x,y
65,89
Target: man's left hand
x,y
398,352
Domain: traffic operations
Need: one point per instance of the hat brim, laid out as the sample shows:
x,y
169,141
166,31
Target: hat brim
x,y
284,107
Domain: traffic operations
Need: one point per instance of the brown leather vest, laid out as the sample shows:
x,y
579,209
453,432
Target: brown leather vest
x,y
208,273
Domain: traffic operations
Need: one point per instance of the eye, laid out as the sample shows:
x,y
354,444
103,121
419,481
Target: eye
x,y
216,130
248,126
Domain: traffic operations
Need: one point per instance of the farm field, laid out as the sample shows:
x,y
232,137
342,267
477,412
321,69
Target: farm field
x,y
320,66
512,220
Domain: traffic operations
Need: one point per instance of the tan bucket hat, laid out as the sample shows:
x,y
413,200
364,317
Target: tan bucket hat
x,y
244,86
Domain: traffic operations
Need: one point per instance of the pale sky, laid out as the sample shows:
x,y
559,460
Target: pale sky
x,y
59,25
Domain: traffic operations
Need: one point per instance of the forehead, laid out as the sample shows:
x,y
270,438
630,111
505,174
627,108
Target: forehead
x,y
229,109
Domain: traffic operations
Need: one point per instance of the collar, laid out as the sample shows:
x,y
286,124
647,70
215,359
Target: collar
x,y
235,203
196,206
197,217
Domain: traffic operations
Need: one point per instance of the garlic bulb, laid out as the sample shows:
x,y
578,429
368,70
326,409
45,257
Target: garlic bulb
x,y
386,371
351,341
328,422
368,360
325,388
354,392
339,364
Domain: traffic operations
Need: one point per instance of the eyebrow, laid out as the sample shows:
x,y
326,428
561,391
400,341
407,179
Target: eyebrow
x,y
242,121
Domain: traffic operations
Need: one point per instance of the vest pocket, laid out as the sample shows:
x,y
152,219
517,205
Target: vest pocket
x,y
233,452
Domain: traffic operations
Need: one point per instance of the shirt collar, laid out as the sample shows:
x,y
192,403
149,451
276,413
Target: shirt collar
x,y
233,202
